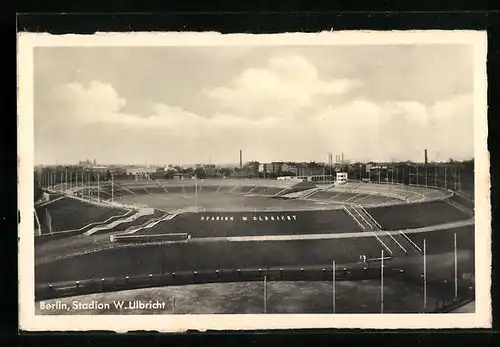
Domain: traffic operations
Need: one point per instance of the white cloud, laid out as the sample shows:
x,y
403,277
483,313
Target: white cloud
x,y
361,128
281,89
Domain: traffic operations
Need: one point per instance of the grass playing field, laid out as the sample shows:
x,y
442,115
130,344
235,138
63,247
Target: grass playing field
x,y
213,200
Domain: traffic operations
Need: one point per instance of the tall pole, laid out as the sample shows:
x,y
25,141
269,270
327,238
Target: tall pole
x,y
435,175
112,189
456,263
98,188
425,277
379,175
88,182
426,176
445,178
382,282
66,179
61,182
333,285
417,176
455,179
265,294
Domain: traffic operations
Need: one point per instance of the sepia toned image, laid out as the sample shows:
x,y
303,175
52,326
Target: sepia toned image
x,y
315,180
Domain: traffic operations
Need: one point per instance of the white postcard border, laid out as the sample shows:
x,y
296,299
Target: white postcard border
x,y
178,323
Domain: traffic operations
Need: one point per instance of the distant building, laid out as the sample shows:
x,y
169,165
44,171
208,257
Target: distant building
x,y
140,173
85,163
290,168
181,176
100,168
210,170
251,168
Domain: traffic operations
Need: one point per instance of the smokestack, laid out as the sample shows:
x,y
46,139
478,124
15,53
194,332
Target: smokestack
x,y
425,153
241,158
342,157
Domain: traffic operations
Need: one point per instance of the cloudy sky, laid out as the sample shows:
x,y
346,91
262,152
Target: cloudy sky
x,y
182,105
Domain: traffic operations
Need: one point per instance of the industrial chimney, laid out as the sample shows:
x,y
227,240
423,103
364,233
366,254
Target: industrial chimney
x,y
241,158
425,154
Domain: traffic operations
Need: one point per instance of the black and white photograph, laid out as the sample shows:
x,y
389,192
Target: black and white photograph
x,y
254,181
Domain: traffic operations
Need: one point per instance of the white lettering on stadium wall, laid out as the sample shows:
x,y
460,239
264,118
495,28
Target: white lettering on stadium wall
x,y
256,218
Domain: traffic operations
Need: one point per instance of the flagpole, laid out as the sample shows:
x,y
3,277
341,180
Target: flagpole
x,y
445,178
265,294
435,175
112,189
425,277
382,282
333,285
456,263
98,189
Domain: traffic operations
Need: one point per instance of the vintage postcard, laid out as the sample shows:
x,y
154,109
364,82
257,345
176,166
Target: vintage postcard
x,y
200,181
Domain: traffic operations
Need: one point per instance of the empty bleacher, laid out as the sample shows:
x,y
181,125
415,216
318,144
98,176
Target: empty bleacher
x,y
442,241
416,215
189,190
270,191
243,189
463,200
69,214
155,190
375,200
344,197
121,262
258,190
174,189
209,188
136,222
322,194
225,189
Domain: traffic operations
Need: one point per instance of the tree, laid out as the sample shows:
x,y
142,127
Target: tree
x,y
200,173
225,172
38,189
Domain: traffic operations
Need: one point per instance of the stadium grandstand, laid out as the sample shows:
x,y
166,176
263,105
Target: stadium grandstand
x,y
236,226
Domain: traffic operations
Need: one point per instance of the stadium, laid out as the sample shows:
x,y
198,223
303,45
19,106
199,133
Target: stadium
x,y
345,247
